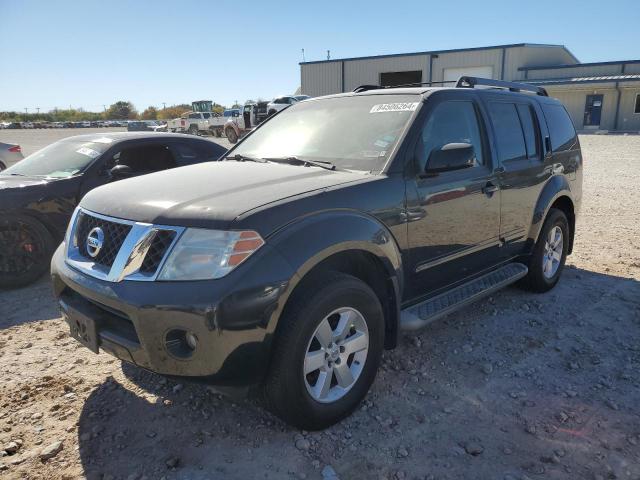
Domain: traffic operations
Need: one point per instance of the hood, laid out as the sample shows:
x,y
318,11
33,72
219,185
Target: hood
x,y
10,182
209,195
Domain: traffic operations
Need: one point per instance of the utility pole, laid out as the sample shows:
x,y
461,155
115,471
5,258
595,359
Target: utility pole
x,y
104,107
164,105
328,54
38,109
303,58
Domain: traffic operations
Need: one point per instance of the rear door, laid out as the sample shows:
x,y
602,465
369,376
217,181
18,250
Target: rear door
x,y
453,217
517,137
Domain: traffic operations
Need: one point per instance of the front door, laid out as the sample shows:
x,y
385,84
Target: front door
x,y
593,110
454,216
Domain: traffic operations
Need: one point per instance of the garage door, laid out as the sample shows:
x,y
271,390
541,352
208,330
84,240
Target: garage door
x,y
457,72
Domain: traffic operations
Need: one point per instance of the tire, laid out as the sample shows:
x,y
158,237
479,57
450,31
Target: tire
x,y
271,112
231,134
296,397
193,130
2,166
218,132
26,247
544,272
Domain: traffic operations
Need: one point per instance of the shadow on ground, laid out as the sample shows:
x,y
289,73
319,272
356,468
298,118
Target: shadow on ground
x,y
518,384
28,304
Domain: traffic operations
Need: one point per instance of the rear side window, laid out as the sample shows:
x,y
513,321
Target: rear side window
x,y
561,130
529,127
509,136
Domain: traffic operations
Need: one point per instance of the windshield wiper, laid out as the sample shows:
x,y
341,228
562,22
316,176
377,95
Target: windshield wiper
x,y
295,160
245,158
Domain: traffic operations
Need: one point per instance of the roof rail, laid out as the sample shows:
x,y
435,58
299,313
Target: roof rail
x,y
364,88
471,82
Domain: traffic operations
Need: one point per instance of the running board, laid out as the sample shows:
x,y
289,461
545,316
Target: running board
x,y
418,316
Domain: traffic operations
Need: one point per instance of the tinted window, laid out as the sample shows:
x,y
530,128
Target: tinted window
x,y
450,122
146,159
509,136
560,127
194,115
206,115
529,127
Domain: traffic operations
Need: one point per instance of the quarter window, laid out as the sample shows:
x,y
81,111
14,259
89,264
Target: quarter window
x,y
563,135
450,122
509,136
637,105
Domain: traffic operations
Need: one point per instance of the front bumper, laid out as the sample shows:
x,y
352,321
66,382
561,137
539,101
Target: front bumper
x,y
233,318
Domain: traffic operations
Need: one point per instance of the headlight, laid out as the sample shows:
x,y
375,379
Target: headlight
x,y
206,254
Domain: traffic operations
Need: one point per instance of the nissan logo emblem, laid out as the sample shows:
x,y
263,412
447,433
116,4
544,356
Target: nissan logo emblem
x,y
95,240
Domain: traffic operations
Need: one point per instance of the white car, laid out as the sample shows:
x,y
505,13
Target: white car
x,y
279,103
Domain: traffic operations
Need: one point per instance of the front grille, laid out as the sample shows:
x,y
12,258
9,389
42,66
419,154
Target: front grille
x,y
157,250
114,235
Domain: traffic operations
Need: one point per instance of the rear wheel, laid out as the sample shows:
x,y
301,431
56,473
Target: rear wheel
x,y
327,352
193,130
2,166
549,254
25,250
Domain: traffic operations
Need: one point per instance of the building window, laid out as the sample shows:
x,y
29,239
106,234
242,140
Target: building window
x,y
637,106
391,79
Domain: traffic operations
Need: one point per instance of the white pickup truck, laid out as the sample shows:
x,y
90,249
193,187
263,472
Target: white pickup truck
x,y
202,120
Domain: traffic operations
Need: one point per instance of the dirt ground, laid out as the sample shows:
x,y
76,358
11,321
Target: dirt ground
x,y
519,386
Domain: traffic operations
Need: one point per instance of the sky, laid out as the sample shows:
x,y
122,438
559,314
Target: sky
x,y
92,53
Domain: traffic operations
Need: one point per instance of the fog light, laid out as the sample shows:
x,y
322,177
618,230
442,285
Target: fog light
x,y
192,340
180,343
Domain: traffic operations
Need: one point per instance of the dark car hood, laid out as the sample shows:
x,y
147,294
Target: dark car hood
x,y
209,195
10,182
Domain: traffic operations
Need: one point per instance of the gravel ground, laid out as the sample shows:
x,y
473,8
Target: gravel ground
x,y
519,386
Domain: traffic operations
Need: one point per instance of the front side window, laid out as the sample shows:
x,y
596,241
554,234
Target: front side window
x,y
194,115
451,121
357,132
563,135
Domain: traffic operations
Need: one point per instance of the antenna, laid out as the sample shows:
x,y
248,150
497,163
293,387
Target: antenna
x,y
328,54
303,57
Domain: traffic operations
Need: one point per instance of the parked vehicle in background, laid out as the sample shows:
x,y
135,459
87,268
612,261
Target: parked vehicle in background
x,y
238,125
201,120
280,103
295,263
39,193
10,154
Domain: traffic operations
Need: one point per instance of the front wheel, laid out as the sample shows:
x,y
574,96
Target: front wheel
x,y
231,134
25,250
327,352
193,130
549,254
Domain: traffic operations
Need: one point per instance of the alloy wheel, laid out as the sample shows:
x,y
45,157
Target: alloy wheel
x,y
552,255
336,355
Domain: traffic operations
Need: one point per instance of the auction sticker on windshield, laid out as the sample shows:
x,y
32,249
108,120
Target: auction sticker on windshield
x,y
394,107
88,152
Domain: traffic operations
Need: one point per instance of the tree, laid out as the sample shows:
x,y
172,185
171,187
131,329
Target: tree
x,y
121,111
173,112
151,113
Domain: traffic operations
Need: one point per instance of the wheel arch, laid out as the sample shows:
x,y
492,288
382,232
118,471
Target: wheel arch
x,y
555,194
350,243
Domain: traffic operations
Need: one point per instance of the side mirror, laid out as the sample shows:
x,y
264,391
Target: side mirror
x,y
452,156
120,171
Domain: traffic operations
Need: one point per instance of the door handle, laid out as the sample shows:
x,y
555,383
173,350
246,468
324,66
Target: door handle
x,y
489,189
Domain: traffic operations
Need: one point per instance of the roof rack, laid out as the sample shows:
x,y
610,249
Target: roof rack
x,y
471,82
466,82
364,88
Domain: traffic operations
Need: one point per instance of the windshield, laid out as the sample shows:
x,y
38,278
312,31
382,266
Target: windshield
x,y
61,159
353,133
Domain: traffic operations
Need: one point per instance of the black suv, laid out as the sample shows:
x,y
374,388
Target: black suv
x,y
337,223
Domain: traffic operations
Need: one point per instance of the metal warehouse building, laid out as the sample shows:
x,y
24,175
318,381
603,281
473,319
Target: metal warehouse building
x,y
599,96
